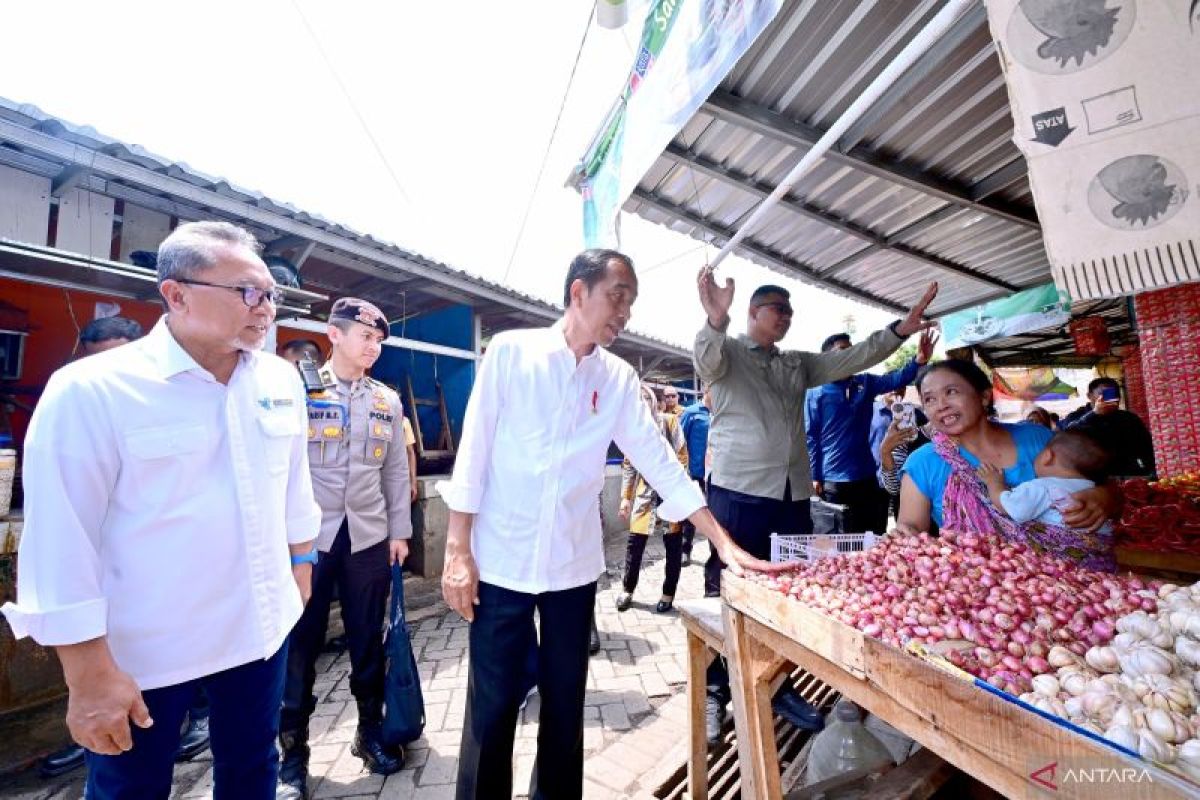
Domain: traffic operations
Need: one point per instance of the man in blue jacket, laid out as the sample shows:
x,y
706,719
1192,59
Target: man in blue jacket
x,y
694,424
838,418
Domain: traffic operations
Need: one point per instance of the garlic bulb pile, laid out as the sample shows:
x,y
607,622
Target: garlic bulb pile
x,y
1140,689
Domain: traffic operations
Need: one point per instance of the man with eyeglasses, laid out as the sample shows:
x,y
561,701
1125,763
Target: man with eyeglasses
x,y
759,481
170,527
360,473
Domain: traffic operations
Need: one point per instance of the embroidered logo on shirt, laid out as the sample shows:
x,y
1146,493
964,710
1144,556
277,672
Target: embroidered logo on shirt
x,y
595,402
285,402
265,403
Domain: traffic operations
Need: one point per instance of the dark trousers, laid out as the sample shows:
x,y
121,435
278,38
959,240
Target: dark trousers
x,y
363,580
750,521
500,639
689,530
866,504
243,722
636,547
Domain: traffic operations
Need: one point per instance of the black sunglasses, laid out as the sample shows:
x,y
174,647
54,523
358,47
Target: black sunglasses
x,y
252,296
781,308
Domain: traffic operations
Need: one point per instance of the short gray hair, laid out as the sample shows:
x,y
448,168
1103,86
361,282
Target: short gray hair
x,y
191,247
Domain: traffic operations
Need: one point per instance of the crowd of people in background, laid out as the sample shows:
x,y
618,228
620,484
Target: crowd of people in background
x,y
193,506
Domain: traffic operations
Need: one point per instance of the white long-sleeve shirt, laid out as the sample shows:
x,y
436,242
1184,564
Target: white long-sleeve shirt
x,y
530,465
159,505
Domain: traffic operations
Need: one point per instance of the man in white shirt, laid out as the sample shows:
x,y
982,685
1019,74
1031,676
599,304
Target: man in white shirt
x,y
524,529
165,484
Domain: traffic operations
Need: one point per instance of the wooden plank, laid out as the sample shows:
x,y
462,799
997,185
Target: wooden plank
x,y
702,618
918,778
993,740
24,206
699,657
85,223
823,635
1174,563
758,755
142,229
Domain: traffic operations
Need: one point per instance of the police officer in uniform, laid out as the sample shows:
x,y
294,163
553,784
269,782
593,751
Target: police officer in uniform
x,y
360,479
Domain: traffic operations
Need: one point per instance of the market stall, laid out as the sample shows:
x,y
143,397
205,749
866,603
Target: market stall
x,y
1025,672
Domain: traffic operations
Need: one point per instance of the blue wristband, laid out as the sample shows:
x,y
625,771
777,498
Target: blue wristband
x,y
307,558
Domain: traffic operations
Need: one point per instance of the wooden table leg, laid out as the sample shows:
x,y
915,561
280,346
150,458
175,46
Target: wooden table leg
x,y
751,667
698,658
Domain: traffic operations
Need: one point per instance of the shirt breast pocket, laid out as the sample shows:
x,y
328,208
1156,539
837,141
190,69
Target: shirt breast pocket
x,y
279,433
165,442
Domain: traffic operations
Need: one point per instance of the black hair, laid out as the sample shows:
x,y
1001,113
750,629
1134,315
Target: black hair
x,y
767,289
1100,383
591,266
1081,453
106,329
830,341
302,344
969,371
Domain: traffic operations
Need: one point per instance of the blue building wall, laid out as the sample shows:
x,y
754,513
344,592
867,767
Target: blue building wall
x,y
452,327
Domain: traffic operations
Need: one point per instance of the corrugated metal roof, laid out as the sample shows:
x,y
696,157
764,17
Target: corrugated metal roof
x,y
927,186
344,261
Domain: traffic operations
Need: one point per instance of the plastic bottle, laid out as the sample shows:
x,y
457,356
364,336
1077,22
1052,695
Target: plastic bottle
x,y
844,746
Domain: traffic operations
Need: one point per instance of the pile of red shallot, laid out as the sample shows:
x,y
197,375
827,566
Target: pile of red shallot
x,y
999,605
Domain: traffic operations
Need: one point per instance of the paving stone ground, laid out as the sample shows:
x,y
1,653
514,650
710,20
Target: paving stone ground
x,y
635,715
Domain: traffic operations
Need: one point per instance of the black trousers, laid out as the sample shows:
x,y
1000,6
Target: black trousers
x,y
363,580
866,504
500,639
636,547
689,530
750,521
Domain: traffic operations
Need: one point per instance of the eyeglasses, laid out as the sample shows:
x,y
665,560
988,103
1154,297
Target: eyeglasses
x,y
252,296
784,309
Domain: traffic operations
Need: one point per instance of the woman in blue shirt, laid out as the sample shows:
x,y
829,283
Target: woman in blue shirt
x,y
956,395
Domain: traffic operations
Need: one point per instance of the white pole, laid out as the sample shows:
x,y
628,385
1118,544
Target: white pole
x,y
903,60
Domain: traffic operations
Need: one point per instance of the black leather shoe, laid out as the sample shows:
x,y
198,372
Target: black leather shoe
x,y
664,606
194,740
594,642
61,762
335,645
375,756
624,601
293,768
798,711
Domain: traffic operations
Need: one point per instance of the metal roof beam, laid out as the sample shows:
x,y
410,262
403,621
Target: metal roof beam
x,y
765,122
787,265
876,240
962,30
67,180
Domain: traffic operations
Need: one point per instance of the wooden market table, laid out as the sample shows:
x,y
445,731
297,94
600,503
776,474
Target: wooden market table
x,y
985,736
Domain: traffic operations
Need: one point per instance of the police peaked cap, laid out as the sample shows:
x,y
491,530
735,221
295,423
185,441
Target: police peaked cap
x,y
356,310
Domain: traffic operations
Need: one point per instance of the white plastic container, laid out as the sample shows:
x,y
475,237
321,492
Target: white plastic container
x,y
845,746
811,548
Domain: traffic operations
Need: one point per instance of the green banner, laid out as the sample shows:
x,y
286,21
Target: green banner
x,y
1031,310
687,48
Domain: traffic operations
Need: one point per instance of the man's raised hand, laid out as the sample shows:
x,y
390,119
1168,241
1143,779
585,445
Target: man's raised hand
x,y
715,299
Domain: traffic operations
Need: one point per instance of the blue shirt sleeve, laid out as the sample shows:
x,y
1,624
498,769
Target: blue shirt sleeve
x,y
891,381
812,413
929,473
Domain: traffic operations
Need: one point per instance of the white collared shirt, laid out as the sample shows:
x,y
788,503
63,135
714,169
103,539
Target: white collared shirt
x,y
530,465
159,505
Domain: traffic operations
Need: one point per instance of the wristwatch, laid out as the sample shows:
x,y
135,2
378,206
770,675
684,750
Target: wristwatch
x,y
307,558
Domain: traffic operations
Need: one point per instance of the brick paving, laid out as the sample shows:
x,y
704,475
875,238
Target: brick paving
x,y
635,716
